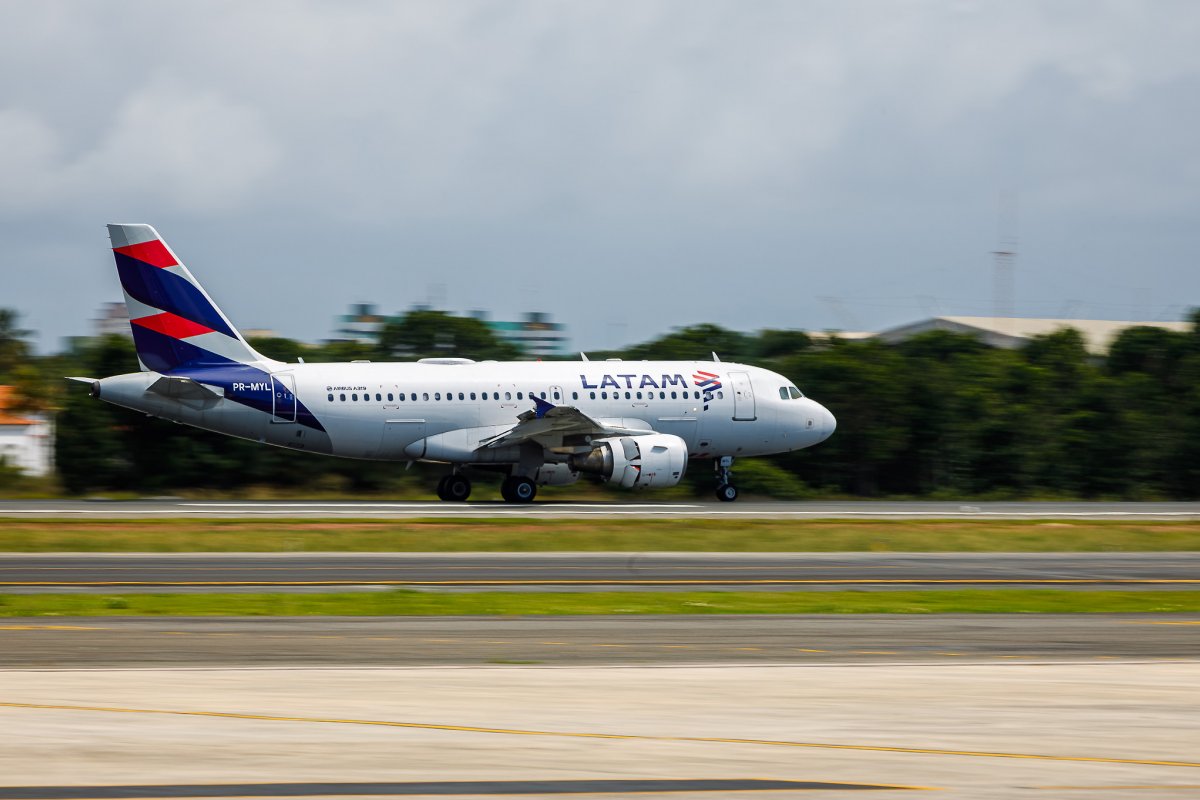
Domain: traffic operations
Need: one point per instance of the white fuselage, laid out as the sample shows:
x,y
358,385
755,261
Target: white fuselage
x,y
442,411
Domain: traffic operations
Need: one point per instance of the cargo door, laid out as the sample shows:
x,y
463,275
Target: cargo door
x,y
283,396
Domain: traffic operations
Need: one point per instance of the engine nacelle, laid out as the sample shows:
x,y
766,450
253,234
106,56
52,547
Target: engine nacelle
x,y
654,460
555,475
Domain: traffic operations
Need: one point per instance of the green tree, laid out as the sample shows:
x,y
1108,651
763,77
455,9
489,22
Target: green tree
x,y
14,350
281,349
695,343
432,334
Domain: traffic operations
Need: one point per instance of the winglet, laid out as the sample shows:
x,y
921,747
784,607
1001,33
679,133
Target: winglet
x,y
716,358
541,406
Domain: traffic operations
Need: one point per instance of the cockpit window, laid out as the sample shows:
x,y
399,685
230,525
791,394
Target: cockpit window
x,y
795,393
783,393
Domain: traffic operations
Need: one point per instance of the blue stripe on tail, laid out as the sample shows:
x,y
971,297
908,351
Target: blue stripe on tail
x,y
167,291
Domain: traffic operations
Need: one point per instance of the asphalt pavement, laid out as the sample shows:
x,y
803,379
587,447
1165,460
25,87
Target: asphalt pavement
x,y
689,571
644,506
64,642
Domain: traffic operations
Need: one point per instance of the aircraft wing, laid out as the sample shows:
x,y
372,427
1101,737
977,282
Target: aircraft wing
x,y
549,425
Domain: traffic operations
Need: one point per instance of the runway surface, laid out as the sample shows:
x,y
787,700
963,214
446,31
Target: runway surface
x,y
645,508
690,571
415,641
1002,729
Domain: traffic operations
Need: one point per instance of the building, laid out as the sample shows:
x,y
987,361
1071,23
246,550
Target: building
x,y
26,440
363,324
113,318
1012,332
535,332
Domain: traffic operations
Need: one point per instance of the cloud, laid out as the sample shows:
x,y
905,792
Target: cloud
x,y
164,146
804,148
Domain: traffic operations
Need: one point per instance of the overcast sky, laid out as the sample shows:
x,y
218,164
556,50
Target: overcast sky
x,y
627,166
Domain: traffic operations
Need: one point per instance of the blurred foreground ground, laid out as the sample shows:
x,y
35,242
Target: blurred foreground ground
x,y
979,730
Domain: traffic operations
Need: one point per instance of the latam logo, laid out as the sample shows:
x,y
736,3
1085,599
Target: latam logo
x,y
708,382
633,380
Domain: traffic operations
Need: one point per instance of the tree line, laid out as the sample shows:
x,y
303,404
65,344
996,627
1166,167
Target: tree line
x,y
938,415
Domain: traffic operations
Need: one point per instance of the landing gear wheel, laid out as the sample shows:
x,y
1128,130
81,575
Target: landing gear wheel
x,y
727,493
518,489
441,488
454,488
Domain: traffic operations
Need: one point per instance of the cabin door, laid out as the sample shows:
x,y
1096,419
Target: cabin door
x,y
743,396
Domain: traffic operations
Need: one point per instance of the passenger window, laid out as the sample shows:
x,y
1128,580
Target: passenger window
x,y
437,395
389,397
343,397
378,397
574,395
627,396
354,397
639,395
720,395
604,395
425,396
673,397
662,395
543,395
508,395
592,395
331,398
520,396
401,396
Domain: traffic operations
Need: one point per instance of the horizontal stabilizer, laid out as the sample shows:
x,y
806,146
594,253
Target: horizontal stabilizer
x,y
184,389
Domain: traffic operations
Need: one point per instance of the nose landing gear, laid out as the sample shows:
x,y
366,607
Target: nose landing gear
x,y
726,492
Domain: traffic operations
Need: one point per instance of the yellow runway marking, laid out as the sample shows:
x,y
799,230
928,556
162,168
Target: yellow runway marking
x,y
810,650
629,737
1161,622
51,628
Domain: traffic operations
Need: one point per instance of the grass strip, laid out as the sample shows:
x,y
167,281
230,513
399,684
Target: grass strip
x,y
592,535
411,603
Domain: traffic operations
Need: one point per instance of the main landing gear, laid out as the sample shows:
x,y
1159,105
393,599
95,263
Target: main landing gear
x,y
726,491
518,489
454,488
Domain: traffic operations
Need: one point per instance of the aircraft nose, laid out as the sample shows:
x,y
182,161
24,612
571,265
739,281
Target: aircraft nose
x,y
828,423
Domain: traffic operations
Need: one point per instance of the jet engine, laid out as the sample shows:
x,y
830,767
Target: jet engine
x,y
654,460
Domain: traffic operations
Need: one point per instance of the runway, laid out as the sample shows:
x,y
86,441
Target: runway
x,y
690,571
40,642
639,507
1002,729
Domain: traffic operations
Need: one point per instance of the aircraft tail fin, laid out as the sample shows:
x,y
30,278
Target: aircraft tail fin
x,y
175,323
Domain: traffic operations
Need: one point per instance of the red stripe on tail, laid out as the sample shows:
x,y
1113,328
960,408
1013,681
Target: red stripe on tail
x,y
172,325
153,252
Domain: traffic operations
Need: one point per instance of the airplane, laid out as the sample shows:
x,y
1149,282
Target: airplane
x,y
636,424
